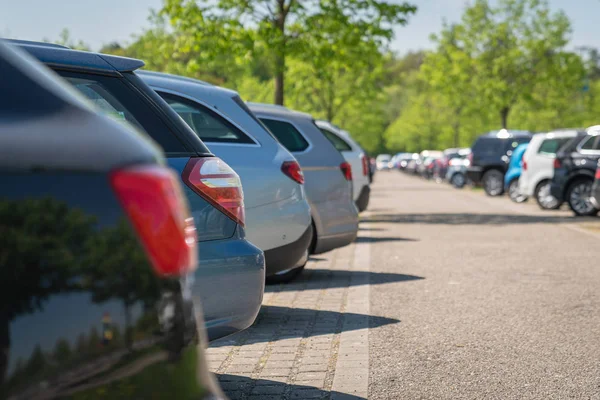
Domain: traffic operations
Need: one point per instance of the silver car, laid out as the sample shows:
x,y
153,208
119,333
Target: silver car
x,y
278,218
328,177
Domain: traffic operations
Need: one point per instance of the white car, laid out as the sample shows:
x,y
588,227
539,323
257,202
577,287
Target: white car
x,y
357,158
538,166
383,162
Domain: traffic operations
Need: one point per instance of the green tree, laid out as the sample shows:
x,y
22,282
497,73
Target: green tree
x,y
286,28
65,39
62,351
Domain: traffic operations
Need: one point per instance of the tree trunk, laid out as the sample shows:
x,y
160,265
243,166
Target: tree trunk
x,y
279,79
504,116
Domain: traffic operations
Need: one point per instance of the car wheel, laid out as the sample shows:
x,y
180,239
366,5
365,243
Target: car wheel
x,y
544,197
578,197
493,182
285,276
458,180
513,192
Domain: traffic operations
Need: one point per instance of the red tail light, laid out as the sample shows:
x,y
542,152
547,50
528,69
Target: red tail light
x,y
470,158
156,207
217,183
524,165
293,171
597,173
557,163
365,164
346,170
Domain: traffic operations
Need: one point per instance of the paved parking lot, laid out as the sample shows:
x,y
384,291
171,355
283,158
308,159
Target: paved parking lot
x,y
446,294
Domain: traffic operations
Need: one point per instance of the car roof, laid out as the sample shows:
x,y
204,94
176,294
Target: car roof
x,y
62,57
277,111
166,81
51,126
164,75
505,134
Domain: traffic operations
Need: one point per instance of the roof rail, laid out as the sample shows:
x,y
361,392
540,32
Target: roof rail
x,y
33,43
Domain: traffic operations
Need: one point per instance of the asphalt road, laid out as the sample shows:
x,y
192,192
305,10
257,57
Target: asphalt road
x,y
494,300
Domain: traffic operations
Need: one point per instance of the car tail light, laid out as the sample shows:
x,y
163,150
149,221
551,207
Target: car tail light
x,y
217,183
597,176
524,165
346,170
156,207
557,163
293,171
365,165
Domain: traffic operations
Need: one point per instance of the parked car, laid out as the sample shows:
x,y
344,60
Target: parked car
x,y
513,174
456,174
328,177
574,170
95,298
595,198
413,164
228,262
442,164
383,162
427,164
489,158
277,213
355,156
538,166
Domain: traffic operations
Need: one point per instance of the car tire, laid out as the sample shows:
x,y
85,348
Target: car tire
x,y
544,198
513,192
285,276
493,182
458,180
578,195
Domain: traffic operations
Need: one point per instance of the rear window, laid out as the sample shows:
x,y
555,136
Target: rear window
x,y
549,147
338,142
208,125
112,97
591,143
488,146
287,134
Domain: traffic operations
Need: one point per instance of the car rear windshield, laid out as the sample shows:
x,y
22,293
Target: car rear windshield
x,y
338,142
287,134
550,146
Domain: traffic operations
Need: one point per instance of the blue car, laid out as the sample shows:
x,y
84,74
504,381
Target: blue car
x,y
229,280
511,178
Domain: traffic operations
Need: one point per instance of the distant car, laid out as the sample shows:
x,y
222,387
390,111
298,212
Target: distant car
x,y
328,176
228,262
489,158
277,213
511,178
98,252
538,166
426,166
456,174
441,166
574,171
357,159
595,197
383,162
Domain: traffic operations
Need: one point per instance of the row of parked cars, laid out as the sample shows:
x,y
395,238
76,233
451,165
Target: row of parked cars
x,y
142,214
562,166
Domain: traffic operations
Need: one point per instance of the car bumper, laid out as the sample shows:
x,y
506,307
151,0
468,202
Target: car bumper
x,y
327,243
363,198
474,174
229,282
287,256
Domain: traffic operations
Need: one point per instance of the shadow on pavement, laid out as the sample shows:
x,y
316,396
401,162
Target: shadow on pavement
x,y
275,323
317,279
361,228
474,219
242,387
372,239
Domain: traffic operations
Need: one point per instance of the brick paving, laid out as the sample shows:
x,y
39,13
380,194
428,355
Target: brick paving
x,y
311,338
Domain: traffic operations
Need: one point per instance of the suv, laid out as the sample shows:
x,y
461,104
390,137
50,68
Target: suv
x,y
277,212
489,158
231,276
574,170
95,300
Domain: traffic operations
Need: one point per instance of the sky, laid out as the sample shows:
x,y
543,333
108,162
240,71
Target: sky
x,y
100,22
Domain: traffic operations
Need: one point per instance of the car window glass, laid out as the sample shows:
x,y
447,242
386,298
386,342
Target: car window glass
x,y
287,134
488,146
112,97
245,108
591,143
551,146
337,142
209,126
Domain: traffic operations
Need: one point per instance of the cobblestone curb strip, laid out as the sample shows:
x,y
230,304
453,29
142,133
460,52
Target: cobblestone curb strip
x,y
311,339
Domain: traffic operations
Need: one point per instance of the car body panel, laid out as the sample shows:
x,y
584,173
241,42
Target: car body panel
x,y
540,164
83,311
142,107
329,194
515,164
